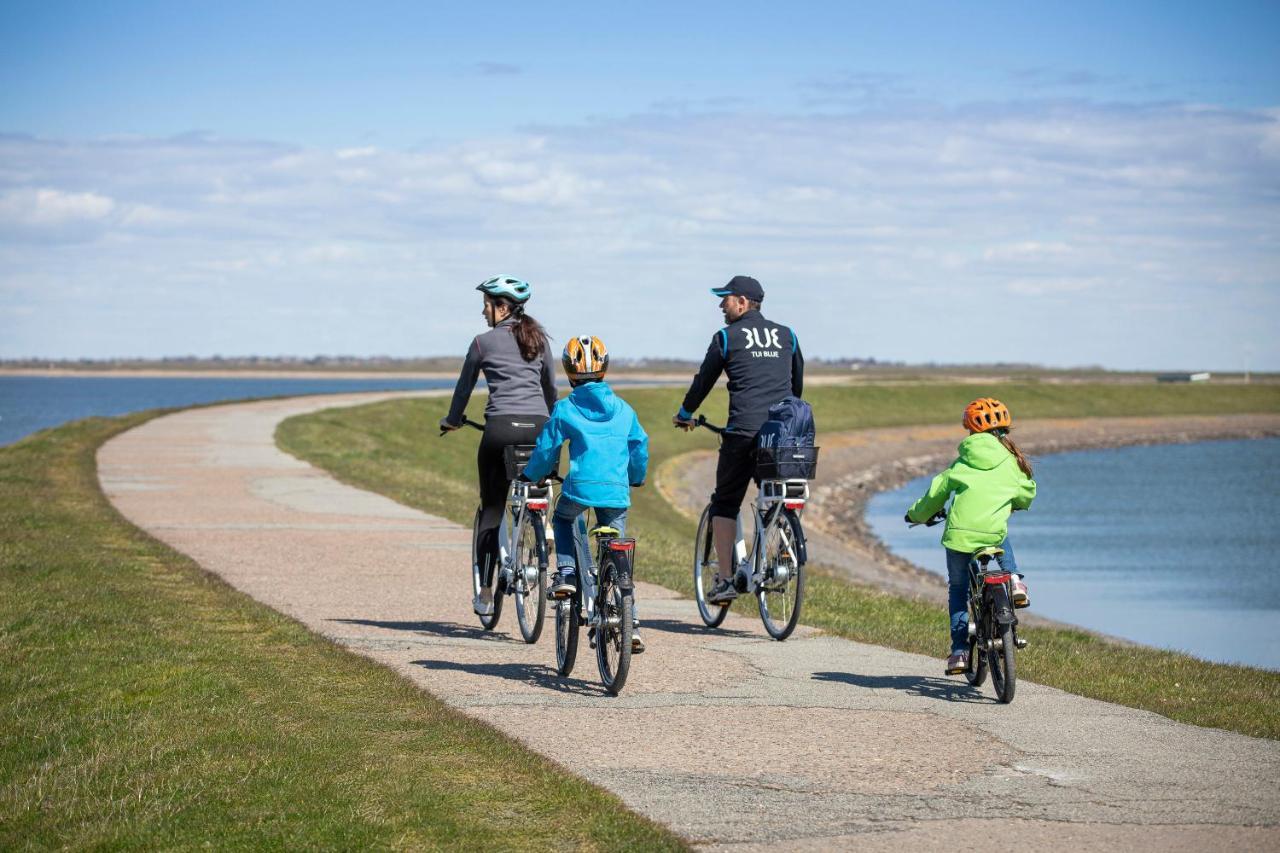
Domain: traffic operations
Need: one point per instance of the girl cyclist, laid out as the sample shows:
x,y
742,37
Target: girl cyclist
x,y
989,479
515,358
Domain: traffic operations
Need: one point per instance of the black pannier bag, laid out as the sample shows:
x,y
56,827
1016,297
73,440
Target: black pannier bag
x,y
785,448
516,456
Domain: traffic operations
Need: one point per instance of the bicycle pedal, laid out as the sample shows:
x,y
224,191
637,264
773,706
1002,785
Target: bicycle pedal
x,y
1020,643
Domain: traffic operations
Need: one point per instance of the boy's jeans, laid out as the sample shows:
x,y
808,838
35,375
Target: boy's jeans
x,y
958,592
569,523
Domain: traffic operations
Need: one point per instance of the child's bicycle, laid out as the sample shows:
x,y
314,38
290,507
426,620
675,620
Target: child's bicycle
x,y
522,549
993,622
603,602
775,573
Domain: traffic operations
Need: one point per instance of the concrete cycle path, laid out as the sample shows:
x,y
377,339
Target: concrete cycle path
x,y
727,737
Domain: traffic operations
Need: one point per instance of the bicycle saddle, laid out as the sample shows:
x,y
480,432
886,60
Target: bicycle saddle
x,y
984,555
608,531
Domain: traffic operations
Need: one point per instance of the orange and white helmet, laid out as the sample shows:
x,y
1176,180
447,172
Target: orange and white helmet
x,y
585,358
985,414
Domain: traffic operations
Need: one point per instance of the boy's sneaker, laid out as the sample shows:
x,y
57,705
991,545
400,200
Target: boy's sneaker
x,y
563,584
722,592
957,663
482,604
637,644
1020,596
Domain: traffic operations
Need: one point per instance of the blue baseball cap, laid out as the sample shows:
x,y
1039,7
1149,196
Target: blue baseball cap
x,y
741,285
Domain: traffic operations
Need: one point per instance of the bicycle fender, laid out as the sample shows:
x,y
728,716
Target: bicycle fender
x,y
802,546
540,537
1000,605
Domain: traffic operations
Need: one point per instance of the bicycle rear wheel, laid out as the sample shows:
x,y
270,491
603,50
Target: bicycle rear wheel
x,y
1003,675
705,566
613,637
781,589
479,583
529,585
567,633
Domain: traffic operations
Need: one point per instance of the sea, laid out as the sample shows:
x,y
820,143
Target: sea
x,y
1175,546
31,403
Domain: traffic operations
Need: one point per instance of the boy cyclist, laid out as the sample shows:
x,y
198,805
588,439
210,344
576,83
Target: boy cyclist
x,y
608,454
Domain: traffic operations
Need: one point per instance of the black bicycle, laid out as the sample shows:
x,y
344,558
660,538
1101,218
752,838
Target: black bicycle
x,y
993,621
521,569
604,602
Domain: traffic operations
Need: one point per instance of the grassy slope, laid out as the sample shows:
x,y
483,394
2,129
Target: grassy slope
x,y
148,704
392,448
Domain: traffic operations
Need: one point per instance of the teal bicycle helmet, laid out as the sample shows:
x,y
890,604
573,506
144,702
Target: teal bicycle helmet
x,y
504,285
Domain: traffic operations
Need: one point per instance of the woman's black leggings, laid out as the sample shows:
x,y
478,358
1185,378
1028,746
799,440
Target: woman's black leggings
x,y
499,431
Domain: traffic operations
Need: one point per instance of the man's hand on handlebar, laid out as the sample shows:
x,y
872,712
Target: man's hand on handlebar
x,y
681,423
445,426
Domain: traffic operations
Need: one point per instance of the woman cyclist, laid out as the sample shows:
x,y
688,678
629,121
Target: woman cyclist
x,y
515,358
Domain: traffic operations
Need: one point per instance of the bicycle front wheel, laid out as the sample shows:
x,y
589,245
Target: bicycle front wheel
x,y
705,566
484,579
566,634
613,637
529,583
976,674
781,590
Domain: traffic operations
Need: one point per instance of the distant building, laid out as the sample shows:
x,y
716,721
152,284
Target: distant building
x,y
1183,377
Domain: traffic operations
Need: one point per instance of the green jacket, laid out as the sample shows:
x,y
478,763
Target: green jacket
x,y
988,485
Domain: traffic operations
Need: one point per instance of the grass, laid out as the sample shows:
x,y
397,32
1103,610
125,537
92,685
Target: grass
x,y
392,448
148,704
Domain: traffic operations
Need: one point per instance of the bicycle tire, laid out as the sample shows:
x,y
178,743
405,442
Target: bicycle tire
x,y
1004,677
781,544
477,577
613,637
976,674
705,566
531,599
567,624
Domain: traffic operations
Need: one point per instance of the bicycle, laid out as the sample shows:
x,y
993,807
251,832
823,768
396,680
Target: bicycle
x,y
604,602
522,549
993,622
778,554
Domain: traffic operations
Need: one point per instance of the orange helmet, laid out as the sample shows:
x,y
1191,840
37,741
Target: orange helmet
x,y
585,358
986,413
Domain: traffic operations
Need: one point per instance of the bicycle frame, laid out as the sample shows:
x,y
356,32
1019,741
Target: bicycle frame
x,y
522,508
773,498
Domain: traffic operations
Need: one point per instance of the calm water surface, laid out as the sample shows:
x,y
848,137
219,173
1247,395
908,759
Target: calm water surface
x,y
1176,546
30,403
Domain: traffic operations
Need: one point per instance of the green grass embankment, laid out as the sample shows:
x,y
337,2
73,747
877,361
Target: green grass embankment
x,y
148,704
392,448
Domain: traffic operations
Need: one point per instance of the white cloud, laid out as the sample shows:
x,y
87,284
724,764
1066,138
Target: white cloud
x,y
870,230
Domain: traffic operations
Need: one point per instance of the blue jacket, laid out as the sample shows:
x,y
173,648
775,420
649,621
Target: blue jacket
x,y
608,449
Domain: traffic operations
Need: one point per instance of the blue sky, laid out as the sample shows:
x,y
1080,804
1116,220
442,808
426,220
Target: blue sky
x,y
1100,181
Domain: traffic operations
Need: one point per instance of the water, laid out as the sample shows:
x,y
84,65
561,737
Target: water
x,y
31,403
1173,546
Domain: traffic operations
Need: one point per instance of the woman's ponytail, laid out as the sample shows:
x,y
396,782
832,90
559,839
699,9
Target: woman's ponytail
x,y
531,338
1023,462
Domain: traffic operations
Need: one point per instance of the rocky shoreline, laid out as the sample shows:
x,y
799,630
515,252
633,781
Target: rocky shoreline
x,y
856,465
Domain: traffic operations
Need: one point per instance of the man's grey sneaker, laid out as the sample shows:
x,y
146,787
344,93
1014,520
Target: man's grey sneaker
x,y
637,644
483,603
957,663
722,592
563,584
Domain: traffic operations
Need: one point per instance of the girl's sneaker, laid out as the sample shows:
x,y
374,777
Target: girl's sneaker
x,y
563,584
957,663
1020,596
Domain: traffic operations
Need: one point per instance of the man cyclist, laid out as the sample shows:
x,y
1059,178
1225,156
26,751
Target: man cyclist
x,y
763,362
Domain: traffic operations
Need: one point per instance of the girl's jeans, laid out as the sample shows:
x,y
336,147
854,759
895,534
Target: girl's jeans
x,y
958,592
569,523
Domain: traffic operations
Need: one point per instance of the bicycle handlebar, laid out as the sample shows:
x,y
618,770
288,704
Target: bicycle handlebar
x,y
465,422
702,421
937,518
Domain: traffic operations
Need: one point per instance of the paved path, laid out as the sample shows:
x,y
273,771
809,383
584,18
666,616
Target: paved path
x,y
729,738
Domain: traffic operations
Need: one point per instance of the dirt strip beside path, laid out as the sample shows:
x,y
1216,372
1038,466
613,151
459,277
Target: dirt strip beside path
x,y
727,737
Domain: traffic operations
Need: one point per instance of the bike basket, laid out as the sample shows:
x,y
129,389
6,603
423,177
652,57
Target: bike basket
x,y
517,456
786,463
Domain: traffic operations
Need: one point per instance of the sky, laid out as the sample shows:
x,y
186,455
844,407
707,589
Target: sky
x,y
1059,183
